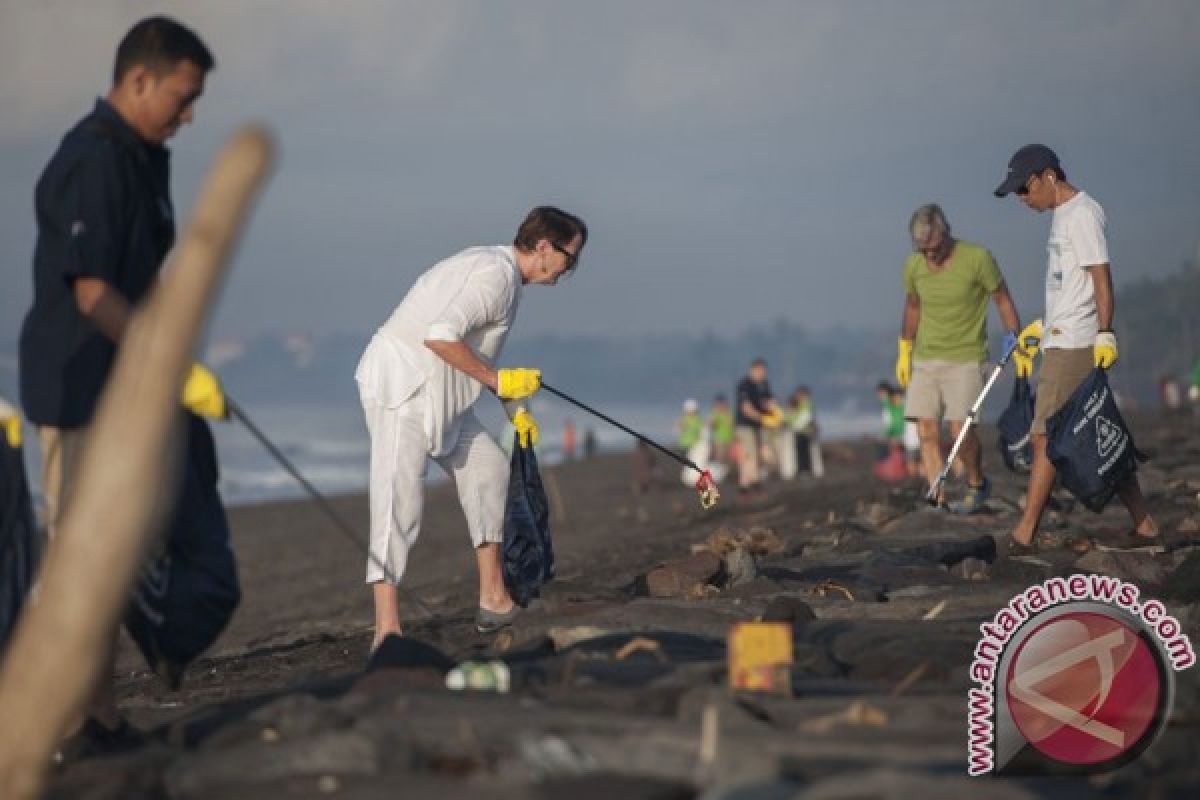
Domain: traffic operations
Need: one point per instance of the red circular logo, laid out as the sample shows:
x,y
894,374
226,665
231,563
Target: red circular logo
x,y
1084,688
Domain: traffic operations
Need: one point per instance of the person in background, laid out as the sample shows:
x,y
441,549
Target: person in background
x,y
569,441
1194,388
756,411
891,416
689,427
815,457
799,417
912,448
720,428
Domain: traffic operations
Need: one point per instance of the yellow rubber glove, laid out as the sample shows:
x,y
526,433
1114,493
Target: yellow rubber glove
x,y
526,427
202,393
1029,341
772,419
515,384
1104,350
904,349
11,425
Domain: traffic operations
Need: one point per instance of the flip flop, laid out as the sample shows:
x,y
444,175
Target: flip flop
x,y
1133,542
1016,549
491,621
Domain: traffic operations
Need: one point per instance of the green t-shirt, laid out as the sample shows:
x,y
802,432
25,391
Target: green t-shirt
x,y
894,411
954,303
722,426
1196,374
690,427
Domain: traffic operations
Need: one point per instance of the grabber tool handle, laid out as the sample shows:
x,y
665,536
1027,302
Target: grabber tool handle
x,y
706,486
972,417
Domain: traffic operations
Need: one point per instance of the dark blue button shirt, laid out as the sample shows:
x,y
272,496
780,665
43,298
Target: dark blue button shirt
x,y
103,208
758,395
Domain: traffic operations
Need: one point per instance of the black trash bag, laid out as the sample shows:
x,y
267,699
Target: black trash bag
x,y
1014,425
20,540
188,588
1090,445
528,555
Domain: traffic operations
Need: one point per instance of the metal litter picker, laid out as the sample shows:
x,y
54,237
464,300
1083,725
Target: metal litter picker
x,y
705,485
972,416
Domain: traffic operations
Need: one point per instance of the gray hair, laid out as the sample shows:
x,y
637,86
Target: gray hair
x,y
928,218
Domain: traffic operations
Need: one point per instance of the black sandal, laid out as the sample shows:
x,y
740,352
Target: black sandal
x,y
1017,549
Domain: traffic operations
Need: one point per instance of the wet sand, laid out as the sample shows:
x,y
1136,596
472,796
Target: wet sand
x,y
284,705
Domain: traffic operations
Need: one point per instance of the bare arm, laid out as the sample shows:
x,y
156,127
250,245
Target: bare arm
x,y
458,355
1008,311
911,318
107,308
1103,290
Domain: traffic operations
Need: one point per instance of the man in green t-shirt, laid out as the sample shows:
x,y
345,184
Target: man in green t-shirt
x,y
943,342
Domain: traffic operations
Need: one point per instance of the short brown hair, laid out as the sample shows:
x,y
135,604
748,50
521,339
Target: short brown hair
x,y
159,43
552,224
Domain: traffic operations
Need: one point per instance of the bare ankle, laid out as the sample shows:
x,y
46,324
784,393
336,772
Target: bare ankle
x,y
500,602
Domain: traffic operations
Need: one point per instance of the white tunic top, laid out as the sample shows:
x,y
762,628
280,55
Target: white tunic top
x,y
472,297
1077,241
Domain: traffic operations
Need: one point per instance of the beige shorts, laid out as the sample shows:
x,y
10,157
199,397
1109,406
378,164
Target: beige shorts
x,y
62,450
943,389
1062,372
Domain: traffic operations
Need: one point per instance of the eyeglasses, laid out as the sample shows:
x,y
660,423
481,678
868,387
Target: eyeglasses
x,y
572,258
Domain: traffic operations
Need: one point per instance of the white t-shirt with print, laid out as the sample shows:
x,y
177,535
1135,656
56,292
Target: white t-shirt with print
x,y
1076,242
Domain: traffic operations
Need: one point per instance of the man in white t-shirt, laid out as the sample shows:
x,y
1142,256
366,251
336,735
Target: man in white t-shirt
x,y
418,380
1077,330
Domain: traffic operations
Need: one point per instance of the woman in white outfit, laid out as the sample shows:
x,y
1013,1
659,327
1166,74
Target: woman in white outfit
x,y
418,380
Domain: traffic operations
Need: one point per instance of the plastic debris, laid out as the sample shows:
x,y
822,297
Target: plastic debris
x,y
480,676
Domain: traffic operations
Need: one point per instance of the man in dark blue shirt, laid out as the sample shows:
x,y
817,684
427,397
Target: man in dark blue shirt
x,y
105,224
755,414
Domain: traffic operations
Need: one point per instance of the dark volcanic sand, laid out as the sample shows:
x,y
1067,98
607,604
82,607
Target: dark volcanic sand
x,y
283,705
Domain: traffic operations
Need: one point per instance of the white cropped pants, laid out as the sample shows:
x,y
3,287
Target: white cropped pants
x,y
400,450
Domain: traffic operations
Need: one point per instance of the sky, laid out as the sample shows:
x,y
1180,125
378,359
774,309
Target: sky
x,y
736,162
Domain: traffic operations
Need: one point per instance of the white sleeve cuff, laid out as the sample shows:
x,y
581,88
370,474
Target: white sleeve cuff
x,y
442,332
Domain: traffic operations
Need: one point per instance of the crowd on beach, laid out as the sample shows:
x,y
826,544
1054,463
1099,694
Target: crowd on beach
x,y
753,439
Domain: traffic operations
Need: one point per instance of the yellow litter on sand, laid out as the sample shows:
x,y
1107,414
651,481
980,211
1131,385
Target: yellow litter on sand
x,y
760,657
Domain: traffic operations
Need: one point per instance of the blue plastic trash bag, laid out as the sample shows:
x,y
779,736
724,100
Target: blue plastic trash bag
x,y
188,588
528,557
20,541
1014,424
1090,445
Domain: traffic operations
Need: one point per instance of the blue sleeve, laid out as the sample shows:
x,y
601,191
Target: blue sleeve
x,y
91,204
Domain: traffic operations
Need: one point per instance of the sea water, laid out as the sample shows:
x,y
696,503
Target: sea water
x,y
328,444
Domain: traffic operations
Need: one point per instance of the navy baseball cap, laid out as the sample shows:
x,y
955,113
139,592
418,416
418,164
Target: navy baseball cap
x,y
1032,159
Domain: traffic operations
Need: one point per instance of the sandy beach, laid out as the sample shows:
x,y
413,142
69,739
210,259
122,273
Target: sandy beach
x,y
884,624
